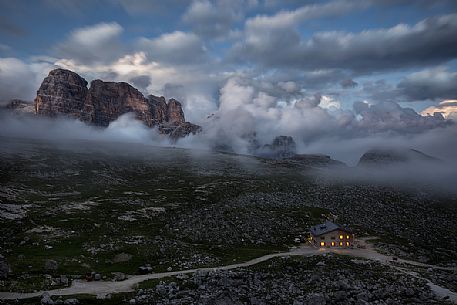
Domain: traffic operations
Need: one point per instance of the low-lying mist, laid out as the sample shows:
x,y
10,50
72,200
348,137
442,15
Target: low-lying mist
x,y
440,143
422,176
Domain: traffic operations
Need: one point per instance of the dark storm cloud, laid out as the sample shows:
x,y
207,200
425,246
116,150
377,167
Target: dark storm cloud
x,y
433,84
429,41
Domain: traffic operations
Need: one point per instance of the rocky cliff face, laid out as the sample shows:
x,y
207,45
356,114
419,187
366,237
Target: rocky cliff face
x,y
106,101
64,92
61,92
158,106
175,115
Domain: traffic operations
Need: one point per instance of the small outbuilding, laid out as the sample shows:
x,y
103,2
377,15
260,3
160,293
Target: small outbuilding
x,y
330,234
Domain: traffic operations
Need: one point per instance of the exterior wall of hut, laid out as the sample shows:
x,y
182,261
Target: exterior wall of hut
x,y
337,238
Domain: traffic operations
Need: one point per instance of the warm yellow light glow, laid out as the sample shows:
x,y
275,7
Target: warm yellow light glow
x,y
341,236
322,243
347,243
333,244
341,243
448,108
347,236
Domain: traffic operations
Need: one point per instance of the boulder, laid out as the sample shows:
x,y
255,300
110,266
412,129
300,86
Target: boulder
x,y
46,299
51,265
119,276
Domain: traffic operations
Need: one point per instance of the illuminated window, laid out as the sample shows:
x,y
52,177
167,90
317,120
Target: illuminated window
x,y
347,236
347,244
322,244
341,243
341,236
333,244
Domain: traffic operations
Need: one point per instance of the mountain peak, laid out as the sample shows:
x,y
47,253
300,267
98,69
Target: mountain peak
x,y
65,93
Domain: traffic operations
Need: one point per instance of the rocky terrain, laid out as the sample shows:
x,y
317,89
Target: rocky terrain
x,y
75,210
65,93
317,161
297,281
316,280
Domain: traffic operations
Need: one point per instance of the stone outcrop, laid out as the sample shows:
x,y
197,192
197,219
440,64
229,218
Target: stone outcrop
x,y
316,160
158,106
64,92
281,147
175,115
184,129
61,92
21,107
386,156
106,101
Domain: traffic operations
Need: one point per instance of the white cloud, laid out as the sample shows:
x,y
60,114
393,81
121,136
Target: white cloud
x,y
97,43
20,80
328,102
289,86
447,108
287,19
174,48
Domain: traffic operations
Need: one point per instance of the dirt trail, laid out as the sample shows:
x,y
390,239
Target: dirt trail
x,y
102,288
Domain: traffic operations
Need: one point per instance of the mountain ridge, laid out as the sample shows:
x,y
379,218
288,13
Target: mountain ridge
x,y
65,93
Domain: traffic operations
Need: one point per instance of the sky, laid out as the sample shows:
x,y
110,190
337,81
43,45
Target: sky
x,y
345,69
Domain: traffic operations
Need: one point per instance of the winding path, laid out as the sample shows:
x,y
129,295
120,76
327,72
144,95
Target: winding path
x,y
103,288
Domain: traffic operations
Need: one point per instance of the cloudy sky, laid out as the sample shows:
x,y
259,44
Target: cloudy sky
x,y
349,68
